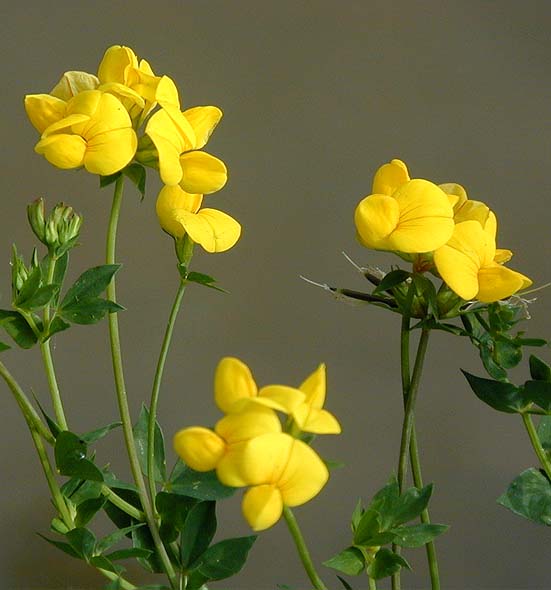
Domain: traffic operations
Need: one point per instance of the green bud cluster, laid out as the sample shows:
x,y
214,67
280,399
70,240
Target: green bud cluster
x,y
59,230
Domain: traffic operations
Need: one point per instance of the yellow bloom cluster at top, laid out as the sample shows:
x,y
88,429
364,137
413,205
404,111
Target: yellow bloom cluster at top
x,y
249,447
441,230
126,113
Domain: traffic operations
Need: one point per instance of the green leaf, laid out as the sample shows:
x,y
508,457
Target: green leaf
x,y
203,279
131,553
18,328
390,280
101,561
79,490
544,432
57,325
539,370
40,298
65,547
504,397
417,535
410,504
99,433
118,516
140,435
174,510
507,353
52,424
385,501
142,539
115,537
60,271
70,457
345,584
492,368
369,525
4,346
226,558
110,179
538,392
29,287
196,484
137,175
89,311
198,531
350,562
529,495
357,514
385,564
90,284
87,509
83,541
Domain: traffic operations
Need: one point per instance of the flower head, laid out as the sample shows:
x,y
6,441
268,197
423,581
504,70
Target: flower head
x,y
180,213
403,215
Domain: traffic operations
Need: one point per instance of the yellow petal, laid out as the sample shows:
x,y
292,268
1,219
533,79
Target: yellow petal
x,y
502,255
214,230
167,93
43,110
202,173
471,210
459,261
72,83
499,282
254,421
123,93
314,387
170,200
233,381
304,475
457,195
317,421
281,397
262,506
376,217
200,448
67,124
109,115
62,150
110,152
115,63
389,177
203,120
426,217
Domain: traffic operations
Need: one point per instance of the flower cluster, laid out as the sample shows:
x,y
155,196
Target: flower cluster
x,y
441,230
249,447
127,114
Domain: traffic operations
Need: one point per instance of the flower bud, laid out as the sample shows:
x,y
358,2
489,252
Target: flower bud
x,y
35,214
62,228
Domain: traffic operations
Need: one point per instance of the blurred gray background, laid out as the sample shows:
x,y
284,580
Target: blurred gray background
x,y
316,95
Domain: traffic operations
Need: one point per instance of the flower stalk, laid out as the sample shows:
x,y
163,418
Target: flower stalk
x,y
536,444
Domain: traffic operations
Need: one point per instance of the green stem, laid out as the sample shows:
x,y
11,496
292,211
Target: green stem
x,y
48,361
120,386
115,499
29,413
372,584
157,386
303,552
536,444
124,584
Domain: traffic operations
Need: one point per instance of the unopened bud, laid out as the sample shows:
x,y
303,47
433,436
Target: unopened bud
x,y
62,228
35,214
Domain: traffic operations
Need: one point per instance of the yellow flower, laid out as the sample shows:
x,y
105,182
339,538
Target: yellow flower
x,y
470,263
403,215
235,389
178,137
204,449
309,415
180,213
282,471
96,132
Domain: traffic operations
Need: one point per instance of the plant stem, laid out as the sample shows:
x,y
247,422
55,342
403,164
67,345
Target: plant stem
x,y
48,361
115,499
29,413
157,386
120,386
372,584
124,584
536,444
303,552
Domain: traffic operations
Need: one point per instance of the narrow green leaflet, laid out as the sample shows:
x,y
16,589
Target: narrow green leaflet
x,y
83,541
197,533
538,392
391,279
417,535
345,584
115,537
368,527
99,433
91,283
89,311
140,435
226,558
529,495
196,484
385,564
70,457
202,279
4,346
350,561
87,509
141,538
18,328
410,504
174,510
65,547
29,287
131,553
504,397
544,432
539,370
137,175
107,180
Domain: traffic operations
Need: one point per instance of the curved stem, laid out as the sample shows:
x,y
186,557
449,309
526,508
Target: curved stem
x,y
115,499
124,584
29,413
536,444
120,386
157,386
303,552
372,584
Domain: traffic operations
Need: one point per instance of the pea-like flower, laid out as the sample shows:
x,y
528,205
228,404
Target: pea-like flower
x,y
403,215
178,138
180,213
96,132
471,265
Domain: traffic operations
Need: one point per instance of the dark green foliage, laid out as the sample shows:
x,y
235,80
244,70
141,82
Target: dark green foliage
x,y
529,496
141,439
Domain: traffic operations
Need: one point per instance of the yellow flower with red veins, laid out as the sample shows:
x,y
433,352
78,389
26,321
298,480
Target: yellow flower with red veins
x,y
403,215
95,132
180,213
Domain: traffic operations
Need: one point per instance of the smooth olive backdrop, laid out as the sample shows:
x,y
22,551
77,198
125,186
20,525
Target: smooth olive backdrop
x,y
316,95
